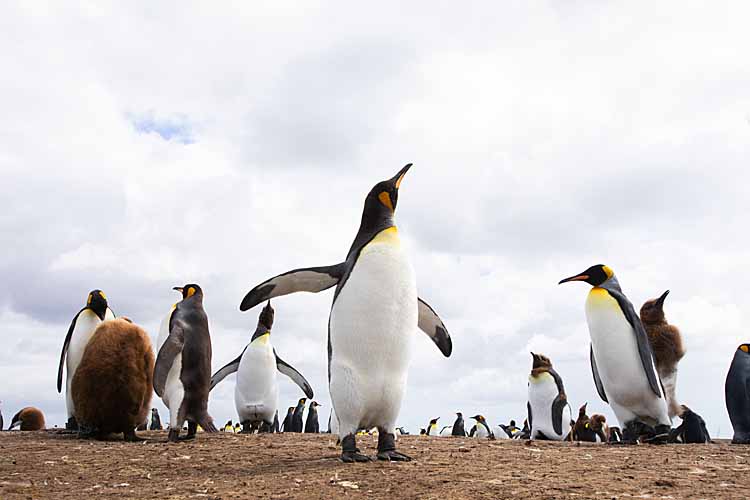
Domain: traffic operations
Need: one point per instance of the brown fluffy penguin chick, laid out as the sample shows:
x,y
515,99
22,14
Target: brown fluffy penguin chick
x,y
666,343
600,427
112,386
582,428
28,419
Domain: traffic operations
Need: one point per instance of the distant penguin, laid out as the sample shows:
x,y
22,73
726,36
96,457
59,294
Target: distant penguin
x,y
525,431
256,393
275,426
182,376
666,343
622,361
297,424
28,419
481,429
737,394
155,420
400,431
311,424
237,428
511,429
589,429
548,408
432,429
446,431
228,427
692,430
286,426
422,432
112,385
374,315
615,435
79,333
458,426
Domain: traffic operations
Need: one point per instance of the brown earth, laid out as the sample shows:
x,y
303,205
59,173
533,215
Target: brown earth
x,y
49,465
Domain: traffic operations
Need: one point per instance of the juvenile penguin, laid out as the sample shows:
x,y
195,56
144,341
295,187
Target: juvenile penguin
x,y
112,385
615,435
256,393
589,429
311,424
481,429
299,411
373,317
692,430
548,408
737,394
286,426
79,333
666,342
458,426
182,376
432,429
621,359
28,419
155,420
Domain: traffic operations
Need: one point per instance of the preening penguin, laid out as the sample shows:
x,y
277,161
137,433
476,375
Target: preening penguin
x,y
481,429
621,358
256,394
297,424
373,317
182,376
692,430
737,395
549,411
458,426
28,419
79,333
311,424
286,426
666,343
112,385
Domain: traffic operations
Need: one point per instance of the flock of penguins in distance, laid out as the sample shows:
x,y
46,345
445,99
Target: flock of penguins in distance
x,y
112,369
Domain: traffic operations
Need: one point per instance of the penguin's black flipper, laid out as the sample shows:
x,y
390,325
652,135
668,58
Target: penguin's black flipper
x,y
309,279
66,343
597,379
558,405
293,374
226,370
641,337
528,413
430,323
164,360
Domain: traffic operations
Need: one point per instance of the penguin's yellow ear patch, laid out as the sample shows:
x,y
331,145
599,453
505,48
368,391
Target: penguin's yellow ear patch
x,y
744,348
190,291
608,271
88,302
103,296
385,199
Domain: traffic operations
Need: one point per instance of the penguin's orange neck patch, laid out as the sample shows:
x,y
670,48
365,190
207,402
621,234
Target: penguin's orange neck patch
x,y
387,236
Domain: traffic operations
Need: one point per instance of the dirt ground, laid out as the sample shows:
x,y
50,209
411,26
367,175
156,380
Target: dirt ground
x,y
49,465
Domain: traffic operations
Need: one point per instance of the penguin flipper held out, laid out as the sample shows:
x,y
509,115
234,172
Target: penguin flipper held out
x,y
597,378
226,370
293,374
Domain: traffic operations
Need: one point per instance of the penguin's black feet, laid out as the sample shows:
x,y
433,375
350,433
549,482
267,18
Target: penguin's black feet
x,y
661,434
192,430
130,437
631,432
387,449
71,424
85,432
174,436
349,451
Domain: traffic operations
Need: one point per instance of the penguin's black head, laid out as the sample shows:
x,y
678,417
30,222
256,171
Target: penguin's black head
x,y
302,401
314,404
512,423
594,275
652,310
459,414
478,418
382,199
266,316
541,361
97,302
290,410
582,410
744,348
422,432
434,421
189,290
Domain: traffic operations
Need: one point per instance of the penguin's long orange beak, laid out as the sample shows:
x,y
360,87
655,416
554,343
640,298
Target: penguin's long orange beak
x,y
579,277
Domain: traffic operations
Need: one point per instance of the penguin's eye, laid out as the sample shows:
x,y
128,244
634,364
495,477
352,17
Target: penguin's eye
x,y
385,199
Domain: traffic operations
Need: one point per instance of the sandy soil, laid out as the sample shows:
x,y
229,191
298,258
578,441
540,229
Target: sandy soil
x,y
48,465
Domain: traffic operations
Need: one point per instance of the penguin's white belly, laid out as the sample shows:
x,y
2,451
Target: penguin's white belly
x,y
256,395
481,432
542,393
618,360
372,324
86,323
174,391
447,432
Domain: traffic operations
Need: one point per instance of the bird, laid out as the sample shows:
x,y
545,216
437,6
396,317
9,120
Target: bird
x,y
458,426
548,408
79,333
374,313
615,435
432,429
511,429
256,393
155,420
228,427
311,424
400,431
112,386
589,429
182,375
446,431
28,419
737,394
237,428
692,430
481,429
275,426
286,426
622,361
666,342
297,424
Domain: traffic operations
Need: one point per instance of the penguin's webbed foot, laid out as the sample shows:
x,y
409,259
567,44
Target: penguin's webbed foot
x,y
387,448
393,456
661,434
349,451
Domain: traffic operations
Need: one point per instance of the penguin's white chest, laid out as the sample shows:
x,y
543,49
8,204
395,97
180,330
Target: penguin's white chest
x,y
372,325
256,393
542,393
481,431
86,323
174,391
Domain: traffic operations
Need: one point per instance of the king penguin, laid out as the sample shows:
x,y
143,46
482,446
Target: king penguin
x,y
373,317
155,420
182,375
256,394
481,429
297,422
79,333
312,425
737,394
458,426
286,426
548,408
432,428
622,361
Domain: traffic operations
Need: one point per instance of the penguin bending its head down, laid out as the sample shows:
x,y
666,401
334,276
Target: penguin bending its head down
x,y
481,429
432,429
256,393
28,419
666,343
79,333
286,426
311,424
692,430
112,385
374,315
548,408
155,420
737,394
458,426
182,376
622,361
297,425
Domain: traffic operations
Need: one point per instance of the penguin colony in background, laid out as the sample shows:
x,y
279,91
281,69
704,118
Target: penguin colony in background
x,y
110,366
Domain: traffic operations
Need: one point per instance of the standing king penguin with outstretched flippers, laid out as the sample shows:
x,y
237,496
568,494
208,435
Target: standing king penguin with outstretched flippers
x,y
256,394
737,394
621,359
182,375
81,329
373,318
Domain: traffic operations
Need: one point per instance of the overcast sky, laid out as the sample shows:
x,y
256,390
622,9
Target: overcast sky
x,y
146,145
